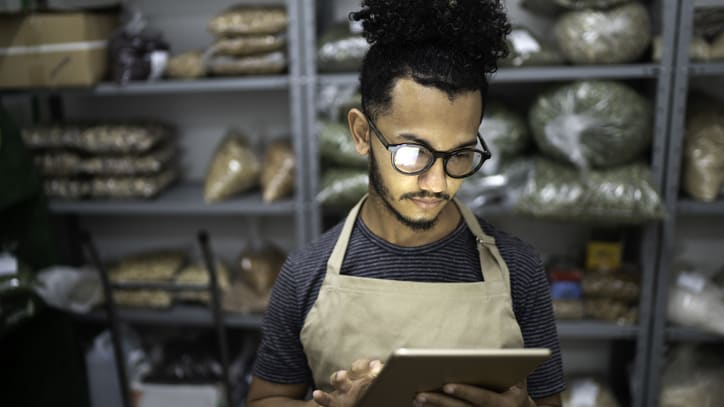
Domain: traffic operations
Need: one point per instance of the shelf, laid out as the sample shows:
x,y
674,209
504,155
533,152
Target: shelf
x,y
187,315
681,334
537,74
184,199
590,329
708,3
567,73
692,207
706,69
249,83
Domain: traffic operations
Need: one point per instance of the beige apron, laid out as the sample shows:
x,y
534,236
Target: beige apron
x,y
368,318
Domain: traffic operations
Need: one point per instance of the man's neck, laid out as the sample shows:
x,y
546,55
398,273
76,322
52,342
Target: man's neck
x,y
382,222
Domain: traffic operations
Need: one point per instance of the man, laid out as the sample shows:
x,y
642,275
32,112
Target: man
x,y
411,267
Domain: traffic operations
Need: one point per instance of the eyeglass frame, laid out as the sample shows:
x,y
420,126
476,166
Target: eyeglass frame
x,y
445,155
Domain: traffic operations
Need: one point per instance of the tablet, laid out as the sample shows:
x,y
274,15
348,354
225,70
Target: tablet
x,y
411,371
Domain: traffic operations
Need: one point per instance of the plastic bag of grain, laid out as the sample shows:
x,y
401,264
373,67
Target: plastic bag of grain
x,y
336,146
703,164
526,49
341,188
278,171
597,124
615,36
246,20
235,168
262,64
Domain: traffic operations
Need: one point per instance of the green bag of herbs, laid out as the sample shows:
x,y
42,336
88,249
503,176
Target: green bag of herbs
x,y
342,187
622,195
336,146
592,124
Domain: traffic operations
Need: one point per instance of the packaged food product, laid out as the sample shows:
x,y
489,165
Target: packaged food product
x,y
341,188
145,187
246,20
248,45
278,171
197,274
696,301
619,286
618,312
693,376
592,124
588,392
264,64
623,195
703,161
242,298
137,53
341,50
189,65
67,162
526,49
505,132
143,298
154,266
336,146
103,138
260,268
614,36
234,168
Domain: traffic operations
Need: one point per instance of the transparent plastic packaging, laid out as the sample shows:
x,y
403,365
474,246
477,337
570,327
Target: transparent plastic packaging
x,y
66,163
695,301
154,266
703,164
278,171
588,4
588,392
693,376
188,65
526,49
197,274
235,168
143,298
259,268
110,187
249,20
341,188
341,50
623,195
248,45
336,146
592,124
68,288
100,138
264,64
506,134
615,36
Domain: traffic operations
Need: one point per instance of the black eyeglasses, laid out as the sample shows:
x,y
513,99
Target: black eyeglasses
x,y
414,159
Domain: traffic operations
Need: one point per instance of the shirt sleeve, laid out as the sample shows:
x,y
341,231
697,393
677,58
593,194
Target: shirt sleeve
x,y
281,358
534,312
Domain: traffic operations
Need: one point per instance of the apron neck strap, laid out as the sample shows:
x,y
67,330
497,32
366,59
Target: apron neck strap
x,y
487,251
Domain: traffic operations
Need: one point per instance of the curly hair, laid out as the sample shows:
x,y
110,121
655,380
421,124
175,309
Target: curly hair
x,y
449,44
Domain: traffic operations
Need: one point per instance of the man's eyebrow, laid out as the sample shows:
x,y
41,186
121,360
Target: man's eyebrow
x,y
418,140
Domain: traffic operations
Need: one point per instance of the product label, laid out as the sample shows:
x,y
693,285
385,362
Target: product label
x,y
691,281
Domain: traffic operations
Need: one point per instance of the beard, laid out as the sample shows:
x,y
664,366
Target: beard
x,y
384,193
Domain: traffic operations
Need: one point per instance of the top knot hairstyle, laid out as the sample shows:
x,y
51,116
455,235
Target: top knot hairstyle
x,y
448,44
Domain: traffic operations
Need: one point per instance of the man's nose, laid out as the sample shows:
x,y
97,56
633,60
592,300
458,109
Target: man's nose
x,y
434,179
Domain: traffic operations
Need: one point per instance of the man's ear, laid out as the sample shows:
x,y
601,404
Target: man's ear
x,y
360,130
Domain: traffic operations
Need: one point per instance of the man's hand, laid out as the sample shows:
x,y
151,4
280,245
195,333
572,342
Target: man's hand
x,y
349,386
461,395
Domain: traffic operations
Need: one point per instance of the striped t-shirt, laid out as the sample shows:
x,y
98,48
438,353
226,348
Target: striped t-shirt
x,y
454,259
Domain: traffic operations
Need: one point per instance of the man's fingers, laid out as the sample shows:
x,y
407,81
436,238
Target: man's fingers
x,y
438,400
471,394
375,368
360,369
322,398
341,381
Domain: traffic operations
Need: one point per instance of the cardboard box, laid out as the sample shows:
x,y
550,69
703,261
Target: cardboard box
x,y
54,49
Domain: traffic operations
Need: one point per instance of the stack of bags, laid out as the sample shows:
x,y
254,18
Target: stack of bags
x,y
236,168
703,162
250,40
104,160
344,171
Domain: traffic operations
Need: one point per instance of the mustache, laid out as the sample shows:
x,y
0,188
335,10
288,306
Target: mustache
x,y
425,194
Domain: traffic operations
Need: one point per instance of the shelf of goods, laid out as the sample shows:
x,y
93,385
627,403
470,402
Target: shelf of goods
x,y
657,74
664,335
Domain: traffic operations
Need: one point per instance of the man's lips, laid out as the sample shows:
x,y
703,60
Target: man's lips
x,y
426,203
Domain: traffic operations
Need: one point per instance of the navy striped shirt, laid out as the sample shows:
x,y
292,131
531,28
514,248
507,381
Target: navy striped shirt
x,y
454,258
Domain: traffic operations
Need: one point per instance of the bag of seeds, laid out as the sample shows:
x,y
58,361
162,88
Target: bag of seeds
x,y
235,168
248,20
278,171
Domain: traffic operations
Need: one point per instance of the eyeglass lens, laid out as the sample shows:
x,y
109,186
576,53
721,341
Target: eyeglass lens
x,y
412,158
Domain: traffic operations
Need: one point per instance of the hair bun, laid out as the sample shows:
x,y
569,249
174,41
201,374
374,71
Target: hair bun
x,y
474,27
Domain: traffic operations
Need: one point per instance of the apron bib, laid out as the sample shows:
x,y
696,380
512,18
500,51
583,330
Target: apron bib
x,y
367,318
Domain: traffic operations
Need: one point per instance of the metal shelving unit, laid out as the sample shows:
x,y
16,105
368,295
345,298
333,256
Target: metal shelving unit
x,y
657,73
184,199
662,332
186,315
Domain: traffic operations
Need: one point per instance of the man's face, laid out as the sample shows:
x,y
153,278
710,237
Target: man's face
x,y
423,115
